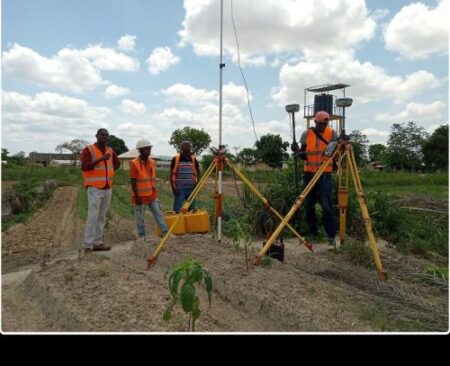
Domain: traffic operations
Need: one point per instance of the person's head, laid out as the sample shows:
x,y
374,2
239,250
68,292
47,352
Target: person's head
x,y
102,136
185,147
144,147
321,118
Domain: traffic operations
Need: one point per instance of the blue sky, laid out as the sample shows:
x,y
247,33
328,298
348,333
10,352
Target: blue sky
x,y
143,68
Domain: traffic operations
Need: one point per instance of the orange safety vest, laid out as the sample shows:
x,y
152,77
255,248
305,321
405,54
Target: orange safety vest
x,y
102,172
315,148
175,170
145,182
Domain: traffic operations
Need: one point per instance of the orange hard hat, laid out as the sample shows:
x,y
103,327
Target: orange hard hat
x,y
322,116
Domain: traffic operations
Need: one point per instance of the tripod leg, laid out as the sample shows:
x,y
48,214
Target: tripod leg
x,y
300,199
343,197
152,258
266,202
365,214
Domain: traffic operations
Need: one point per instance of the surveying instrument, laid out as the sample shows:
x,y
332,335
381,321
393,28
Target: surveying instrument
x,y
218,165
342,150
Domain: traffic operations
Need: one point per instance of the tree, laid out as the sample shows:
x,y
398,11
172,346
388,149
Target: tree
x,y
117,144
18,158
75,146
272,150
404,146
199,139
377,152
208,158
359,145
5,154
248,156
435,149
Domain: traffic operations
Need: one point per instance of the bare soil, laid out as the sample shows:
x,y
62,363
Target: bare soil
x,y
48,286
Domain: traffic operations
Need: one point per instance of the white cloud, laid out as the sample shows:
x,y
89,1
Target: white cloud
x,y
130,107
415,112
188,94
48,119
69,69
276,26
417,31
372,132
114,91
235,94
126,42
368,82
160,60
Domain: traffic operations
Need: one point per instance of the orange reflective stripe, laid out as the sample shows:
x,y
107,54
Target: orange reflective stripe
x,y
102,173
315,149
145,182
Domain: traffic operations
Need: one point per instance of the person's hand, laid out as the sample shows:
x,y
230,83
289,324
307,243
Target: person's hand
x,y
302,155
106,156
138,200
294,147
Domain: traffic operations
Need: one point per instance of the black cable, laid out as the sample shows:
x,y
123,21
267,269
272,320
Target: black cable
x,y
242,73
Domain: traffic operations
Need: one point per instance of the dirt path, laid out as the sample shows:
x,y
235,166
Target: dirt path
x,y
52,230
47,286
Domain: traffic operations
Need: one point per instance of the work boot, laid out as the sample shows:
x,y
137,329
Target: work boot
x,y
101,248
331,244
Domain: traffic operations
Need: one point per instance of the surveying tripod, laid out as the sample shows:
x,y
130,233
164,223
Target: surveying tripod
x,y
217,164
346,166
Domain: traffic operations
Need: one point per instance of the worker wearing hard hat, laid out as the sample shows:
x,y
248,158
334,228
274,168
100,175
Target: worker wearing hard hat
x,y
184,174
143,179
98,164
314,142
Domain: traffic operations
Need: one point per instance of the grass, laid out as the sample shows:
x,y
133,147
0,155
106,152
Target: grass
x,y
384,320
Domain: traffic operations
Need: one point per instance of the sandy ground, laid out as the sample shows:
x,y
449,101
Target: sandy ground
x,y
48,286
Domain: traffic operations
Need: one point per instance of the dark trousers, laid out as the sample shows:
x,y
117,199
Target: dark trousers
x,y
322,191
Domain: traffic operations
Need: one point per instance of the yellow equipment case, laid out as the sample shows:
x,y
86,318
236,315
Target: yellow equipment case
x,y
197,221
170,217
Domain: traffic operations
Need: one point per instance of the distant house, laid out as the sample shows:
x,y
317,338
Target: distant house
x,y
55,162
46,158
162,161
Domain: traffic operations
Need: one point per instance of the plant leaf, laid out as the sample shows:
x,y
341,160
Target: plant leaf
x,y
187,294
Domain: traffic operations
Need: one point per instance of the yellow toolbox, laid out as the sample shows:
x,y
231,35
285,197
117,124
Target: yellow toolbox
x,y
170,217
197,221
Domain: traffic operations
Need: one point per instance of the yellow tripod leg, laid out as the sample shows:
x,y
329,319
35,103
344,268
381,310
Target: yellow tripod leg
x,y
343,194
365,214
267,203
152,258
298,202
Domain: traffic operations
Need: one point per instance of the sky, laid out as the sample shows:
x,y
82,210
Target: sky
x,y
144,68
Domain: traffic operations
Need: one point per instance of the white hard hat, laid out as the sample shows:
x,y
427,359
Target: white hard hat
x,y
143,143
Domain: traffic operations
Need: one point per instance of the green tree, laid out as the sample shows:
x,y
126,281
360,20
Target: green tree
x,y
404,146
75,146
377,152
18,158
359,145
117,144
208,158
435,149
199,139
5,154
272,150
248,156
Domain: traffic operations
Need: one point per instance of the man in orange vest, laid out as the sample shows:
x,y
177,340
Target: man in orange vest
x,y
314,142
184,175
98,164
143,179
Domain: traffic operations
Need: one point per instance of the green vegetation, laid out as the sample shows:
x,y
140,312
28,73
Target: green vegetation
x,y
190,274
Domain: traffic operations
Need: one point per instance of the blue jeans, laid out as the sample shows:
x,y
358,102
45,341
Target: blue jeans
x,y
155,209
180,197
321,191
